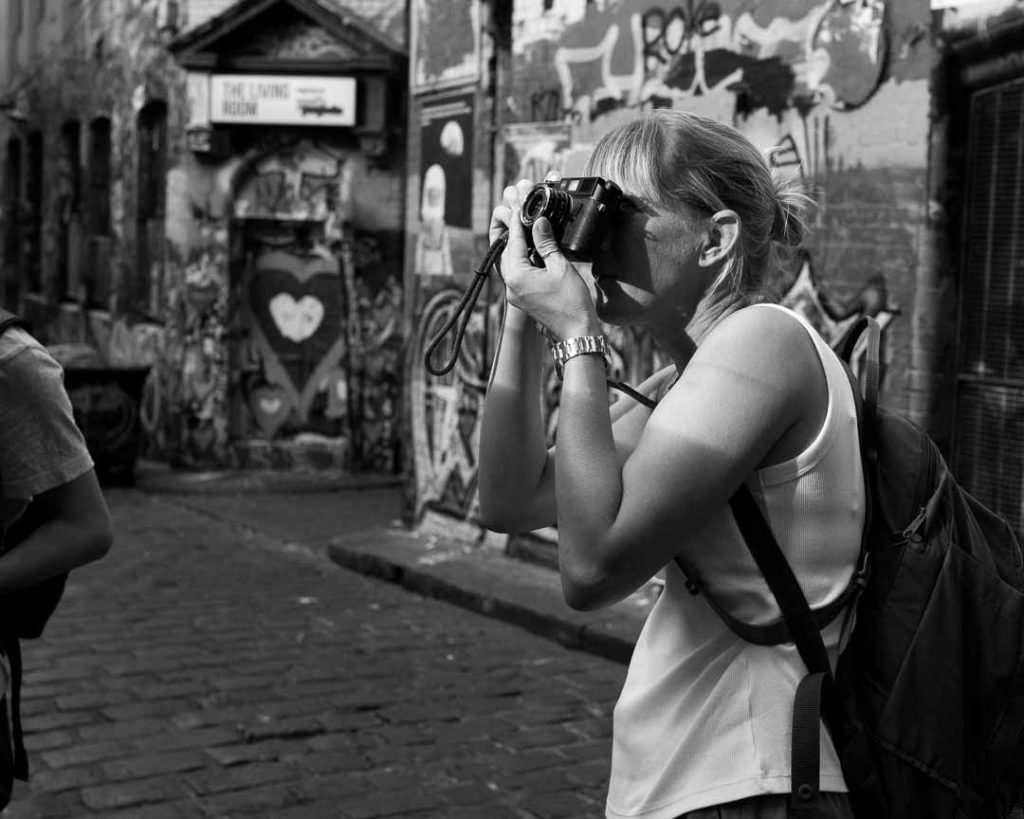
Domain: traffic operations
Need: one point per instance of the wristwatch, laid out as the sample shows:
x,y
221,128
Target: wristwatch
x,y
562,351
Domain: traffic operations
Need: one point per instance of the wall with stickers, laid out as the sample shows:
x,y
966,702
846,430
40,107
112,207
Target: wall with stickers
x,y
835,92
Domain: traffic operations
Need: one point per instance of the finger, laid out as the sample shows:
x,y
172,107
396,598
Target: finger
x,y
510,196
500,218
553,176
516,247
523,188
544,241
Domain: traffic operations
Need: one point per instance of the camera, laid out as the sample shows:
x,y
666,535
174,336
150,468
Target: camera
x,y
579,209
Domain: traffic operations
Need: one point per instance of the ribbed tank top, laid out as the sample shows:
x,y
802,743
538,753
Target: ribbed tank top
x,y
704,718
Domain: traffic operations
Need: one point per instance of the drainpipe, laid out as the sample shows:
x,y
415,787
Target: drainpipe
x,y
985,34
933,323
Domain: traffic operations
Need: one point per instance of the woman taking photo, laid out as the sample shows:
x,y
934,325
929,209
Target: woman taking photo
x,y
753,395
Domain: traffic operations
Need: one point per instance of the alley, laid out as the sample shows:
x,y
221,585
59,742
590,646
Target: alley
x,y
205,669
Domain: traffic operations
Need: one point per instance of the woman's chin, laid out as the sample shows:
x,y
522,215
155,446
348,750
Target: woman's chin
x,y
613,306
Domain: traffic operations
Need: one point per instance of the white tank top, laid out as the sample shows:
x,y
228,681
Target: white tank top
x,y
704,718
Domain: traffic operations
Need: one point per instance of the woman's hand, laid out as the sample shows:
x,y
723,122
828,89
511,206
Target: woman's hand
x,y
554,295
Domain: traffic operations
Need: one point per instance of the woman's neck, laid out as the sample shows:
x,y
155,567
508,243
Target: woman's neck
x,y
681,339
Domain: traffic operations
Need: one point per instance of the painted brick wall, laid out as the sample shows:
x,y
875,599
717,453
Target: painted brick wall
x,y
197,12
853,123
837,94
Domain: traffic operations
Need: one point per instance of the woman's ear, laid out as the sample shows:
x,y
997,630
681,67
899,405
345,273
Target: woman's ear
x,y
720,236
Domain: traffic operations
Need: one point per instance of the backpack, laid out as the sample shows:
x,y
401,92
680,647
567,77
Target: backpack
x,y
926,705
23,615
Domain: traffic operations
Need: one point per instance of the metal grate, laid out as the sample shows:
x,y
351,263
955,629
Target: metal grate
x,y
990,396
990,458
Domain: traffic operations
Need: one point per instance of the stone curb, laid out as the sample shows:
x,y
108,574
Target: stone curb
x,y
528,596
154,478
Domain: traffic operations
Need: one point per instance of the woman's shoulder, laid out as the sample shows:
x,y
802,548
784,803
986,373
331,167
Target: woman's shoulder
x,y
763,328
764,338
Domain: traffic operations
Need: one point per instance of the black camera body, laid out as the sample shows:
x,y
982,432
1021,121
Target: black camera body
x,y
580,210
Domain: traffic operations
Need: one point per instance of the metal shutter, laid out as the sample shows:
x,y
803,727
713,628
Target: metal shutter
x,y
989,437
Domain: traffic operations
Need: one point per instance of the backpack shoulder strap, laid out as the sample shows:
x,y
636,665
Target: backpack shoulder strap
x,y
865,335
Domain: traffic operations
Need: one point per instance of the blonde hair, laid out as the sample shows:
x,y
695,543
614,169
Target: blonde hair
x,y
673,158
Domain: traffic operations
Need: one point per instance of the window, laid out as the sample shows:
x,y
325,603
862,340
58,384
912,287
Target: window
x,y
11,268
95,273
69,206
150,205
988,454
98,193
33,218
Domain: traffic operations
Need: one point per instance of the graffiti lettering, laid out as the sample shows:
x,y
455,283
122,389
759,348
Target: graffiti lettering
x,y
785,155
667,33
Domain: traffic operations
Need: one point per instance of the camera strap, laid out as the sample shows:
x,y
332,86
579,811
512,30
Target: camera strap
x,y
460,317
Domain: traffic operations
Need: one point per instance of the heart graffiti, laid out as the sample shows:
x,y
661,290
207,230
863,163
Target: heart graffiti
x,y
296,320
296,305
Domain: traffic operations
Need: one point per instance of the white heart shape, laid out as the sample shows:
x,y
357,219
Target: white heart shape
x,y
270,405
296,320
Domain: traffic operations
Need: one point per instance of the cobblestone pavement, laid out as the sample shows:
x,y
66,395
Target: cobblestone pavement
x,y
207,670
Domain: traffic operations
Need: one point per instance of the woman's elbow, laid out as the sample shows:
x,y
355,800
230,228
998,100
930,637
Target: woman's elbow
x,y
585,590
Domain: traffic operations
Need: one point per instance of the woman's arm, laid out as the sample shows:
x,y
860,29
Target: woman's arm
x,y
516,469
516,485
744,389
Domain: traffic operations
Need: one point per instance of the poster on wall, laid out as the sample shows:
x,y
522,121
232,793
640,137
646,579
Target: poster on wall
x,y
446,180
445,43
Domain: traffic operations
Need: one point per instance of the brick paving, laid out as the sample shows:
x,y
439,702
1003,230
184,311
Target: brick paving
x,y
208,669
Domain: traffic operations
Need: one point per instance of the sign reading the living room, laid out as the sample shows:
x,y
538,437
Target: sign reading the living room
x,y
266,99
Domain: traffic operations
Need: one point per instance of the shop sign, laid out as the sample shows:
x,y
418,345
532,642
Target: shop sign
x,y
267,99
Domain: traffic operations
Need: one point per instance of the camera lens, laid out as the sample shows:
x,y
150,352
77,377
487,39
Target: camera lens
x,y
545,200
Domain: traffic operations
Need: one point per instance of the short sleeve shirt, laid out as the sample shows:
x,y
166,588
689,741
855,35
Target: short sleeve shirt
x,y
41,447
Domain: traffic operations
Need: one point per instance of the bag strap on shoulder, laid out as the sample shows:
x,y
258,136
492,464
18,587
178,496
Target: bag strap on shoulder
x,y
814,700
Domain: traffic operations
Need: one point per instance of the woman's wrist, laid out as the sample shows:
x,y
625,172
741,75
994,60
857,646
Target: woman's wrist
x,y
517,321
579,328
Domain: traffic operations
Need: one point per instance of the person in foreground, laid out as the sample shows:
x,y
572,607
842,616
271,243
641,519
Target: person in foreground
x,y
753,394
52,510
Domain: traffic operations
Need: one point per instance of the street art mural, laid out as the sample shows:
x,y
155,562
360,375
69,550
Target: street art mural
x,y
282,319
317,310
832,316
446,182
631,53
445,42
793,76
184,403
446,409
293,302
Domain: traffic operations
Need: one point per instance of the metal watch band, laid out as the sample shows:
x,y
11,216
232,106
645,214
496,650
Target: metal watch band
x,y
562,351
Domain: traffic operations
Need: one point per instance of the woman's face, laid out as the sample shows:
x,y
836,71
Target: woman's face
x,y
647,269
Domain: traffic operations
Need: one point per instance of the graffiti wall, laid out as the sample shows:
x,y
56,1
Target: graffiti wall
x,y
284,310
835,92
